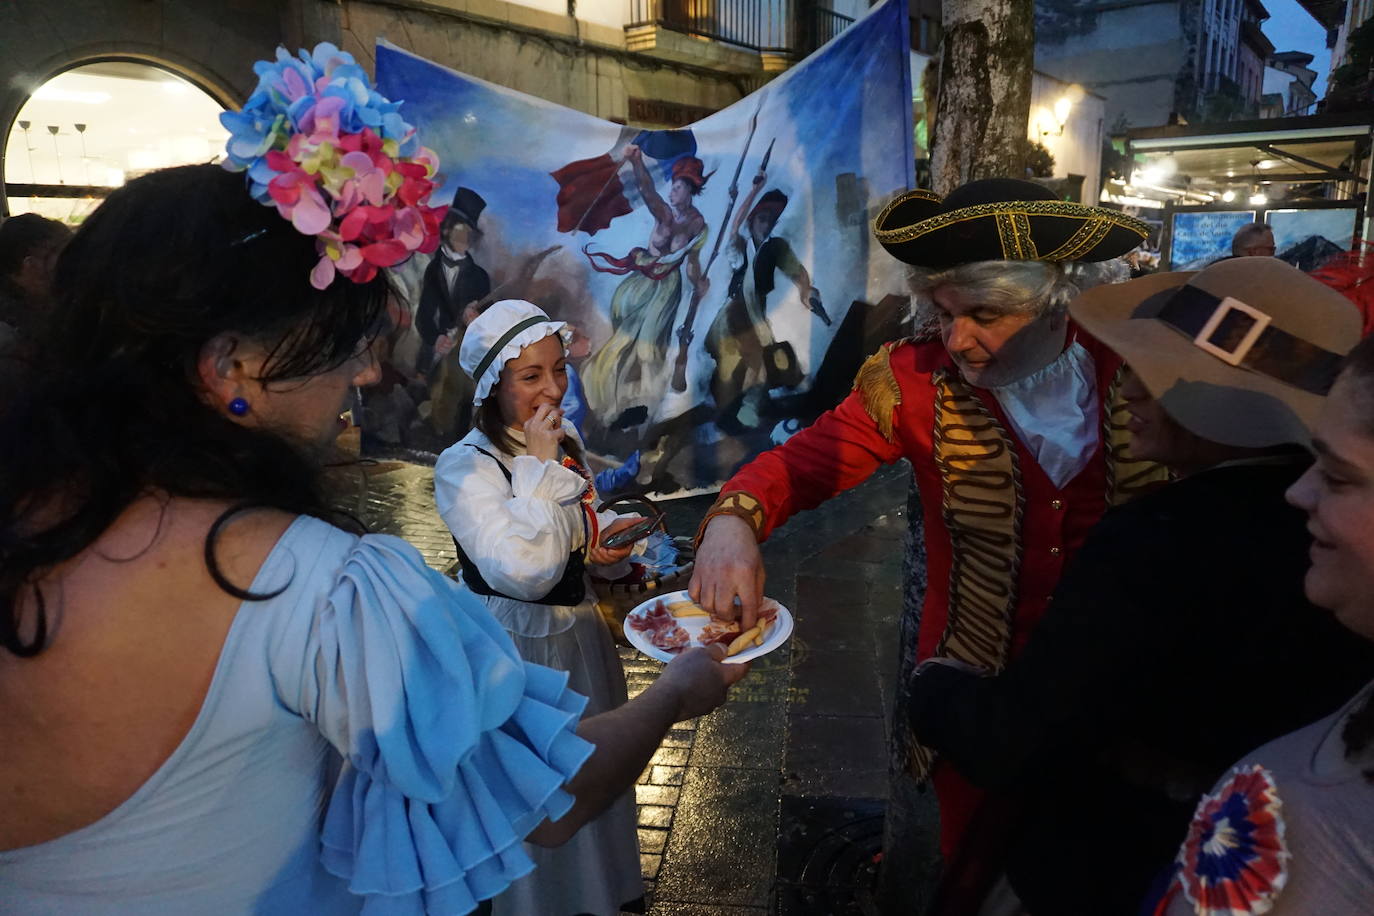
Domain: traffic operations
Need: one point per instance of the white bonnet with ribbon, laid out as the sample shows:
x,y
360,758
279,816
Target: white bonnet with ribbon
x,y
498,335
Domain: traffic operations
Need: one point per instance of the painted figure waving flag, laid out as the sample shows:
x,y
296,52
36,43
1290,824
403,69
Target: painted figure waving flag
x,y
626,377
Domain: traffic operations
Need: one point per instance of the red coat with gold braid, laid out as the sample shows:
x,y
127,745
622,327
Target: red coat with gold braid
x,y
998,532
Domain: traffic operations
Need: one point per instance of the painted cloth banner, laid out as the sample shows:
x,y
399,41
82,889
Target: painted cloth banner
x,y
721,278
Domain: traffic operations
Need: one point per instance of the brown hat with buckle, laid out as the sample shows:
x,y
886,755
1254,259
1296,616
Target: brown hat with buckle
x,y
1241,353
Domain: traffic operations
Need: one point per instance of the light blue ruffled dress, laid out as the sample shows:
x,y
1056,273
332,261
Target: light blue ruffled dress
x,y
453,749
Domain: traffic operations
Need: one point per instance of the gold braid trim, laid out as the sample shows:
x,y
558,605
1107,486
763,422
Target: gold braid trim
x,y
894,203
1013,229
740,504
879,389
1127,477
1026,208
1088,236
982,505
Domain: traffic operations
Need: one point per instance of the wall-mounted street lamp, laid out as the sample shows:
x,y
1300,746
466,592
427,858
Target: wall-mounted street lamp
x,y
1052,122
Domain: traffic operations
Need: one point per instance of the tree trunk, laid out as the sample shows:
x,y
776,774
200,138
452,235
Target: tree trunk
x,y
979,131
986,61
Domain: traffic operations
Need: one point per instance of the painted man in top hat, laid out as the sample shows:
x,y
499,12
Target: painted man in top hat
x,y
1011,419
453,286
741,338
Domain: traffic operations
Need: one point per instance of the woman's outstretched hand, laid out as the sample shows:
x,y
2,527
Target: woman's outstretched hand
x,y
626,737
701,680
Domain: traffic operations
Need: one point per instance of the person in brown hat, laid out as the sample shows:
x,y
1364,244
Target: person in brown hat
x,y
1310,793
1181,636
1010,416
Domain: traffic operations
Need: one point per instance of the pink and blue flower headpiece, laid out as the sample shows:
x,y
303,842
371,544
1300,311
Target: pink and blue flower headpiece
x,y
334,157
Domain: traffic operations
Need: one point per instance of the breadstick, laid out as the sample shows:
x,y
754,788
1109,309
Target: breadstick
x,y
763,625
741,641
687,612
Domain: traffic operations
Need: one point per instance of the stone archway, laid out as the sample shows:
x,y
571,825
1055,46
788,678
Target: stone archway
x,y
85,130
211,44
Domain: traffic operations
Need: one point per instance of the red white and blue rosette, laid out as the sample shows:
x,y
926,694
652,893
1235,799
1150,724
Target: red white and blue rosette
x,y
1234,861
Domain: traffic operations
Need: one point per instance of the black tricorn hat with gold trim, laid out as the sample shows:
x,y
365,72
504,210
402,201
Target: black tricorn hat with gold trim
x,y
1001,219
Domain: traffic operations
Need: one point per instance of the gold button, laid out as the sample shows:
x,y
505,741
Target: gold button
x,y
1056,504
1054,551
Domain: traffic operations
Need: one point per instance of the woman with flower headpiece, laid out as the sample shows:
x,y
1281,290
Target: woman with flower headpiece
x,y
630,370
521,504
218,697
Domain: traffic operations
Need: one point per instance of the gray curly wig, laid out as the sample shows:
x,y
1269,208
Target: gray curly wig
x,y
1039,288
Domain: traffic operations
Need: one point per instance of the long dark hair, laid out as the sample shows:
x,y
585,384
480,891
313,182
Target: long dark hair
x,y
1358,733
115,412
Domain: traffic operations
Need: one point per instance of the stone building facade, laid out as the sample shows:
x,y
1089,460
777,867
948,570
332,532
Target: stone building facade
x,y
645,62
1156,61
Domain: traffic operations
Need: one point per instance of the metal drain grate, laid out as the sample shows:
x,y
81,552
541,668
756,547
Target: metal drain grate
x,y
828,854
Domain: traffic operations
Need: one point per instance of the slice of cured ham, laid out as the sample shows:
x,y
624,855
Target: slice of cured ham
x,y
661,628
721,631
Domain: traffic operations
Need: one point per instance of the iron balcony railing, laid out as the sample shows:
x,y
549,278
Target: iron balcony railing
x,y
790,26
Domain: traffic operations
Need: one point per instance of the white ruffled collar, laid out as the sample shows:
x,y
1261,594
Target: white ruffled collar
x,y
1054,413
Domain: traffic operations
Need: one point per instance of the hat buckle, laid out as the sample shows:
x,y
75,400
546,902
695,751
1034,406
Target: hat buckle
x,y
1235,355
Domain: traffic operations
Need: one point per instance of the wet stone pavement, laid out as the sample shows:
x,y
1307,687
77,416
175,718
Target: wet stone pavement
x,y
774,803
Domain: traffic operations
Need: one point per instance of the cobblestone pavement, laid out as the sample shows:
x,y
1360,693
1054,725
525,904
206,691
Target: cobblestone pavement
x,y
773,803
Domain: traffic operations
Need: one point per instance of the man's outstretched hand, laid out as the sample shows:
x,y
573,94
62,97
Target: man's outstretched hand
x,y
729,566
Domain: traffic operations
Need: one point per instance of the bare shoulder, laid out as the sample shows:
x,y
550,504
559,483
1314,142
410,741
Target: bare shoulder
x,y
167,540
143,572
136,625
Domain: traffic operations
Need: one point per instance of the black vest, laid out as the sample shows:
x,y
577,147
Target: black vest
x,y
566,592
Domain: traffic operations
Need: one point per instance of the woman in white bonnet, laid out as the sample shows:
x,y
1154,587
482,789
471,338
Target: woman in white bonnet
x,y
521,506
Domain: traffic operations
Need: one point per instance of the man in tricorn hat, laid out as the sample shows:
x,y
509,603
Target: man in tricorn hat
x,y
453,286
1013,424
741,340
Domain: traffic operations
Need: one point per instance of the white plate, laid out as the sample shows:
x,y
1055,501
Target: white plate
x,y
777,633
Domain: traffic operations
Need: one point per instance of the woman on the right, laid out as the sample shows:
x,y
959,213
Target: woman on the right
x,y
1290,830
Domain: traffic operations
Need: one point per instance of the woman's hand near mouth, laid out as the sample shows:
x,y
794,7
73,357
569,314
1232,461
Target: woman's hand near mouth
x,y
544,433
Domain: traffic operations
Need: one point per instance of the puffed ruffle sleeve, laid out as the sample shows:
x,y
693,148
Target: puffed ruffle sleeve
x,y
454,748
519,534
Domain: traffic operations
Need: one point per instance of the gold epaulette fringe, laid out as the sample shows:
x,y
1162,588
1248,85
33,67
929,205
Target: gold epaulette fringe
x,y
879,389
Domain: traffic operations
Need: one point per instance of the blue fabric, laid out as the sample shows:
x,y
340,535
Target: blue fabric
x,y
613,480
369,673
574,403
455,748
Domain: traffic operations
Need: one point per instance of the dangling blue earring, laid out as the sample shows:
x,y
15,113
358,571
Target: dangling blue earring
x,y
238,407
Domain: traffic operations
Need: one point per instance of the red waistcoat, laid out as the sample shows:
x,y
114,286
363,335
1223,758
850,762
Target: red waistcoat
x,y
998,532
